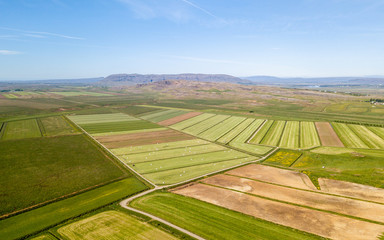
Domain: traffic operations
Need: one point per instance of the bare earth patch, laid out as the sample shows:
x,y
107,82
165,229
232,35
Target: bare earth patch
x,y
327,135
274,175
352,190
308,220
180,118
362,209
143,138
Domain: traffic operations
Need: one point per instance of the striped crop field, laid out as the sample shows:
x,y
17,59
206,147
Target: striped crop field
x,y
347,136
112,225
251,148
163,115
55,126
261,132
226,138
101,118
368,137
247,133
206,124
272,138
192,121
222,128
291,134
308,135
21,129
118,126
378,131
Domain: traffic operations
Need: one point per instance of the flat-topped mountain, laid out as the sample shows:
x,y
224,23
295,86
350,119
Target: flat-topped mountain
x,y
133,79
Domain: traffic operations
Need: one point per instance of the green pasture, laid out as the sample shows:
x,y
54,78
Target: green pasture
x,y
111,225
291,135
81,93
368,137
378,131
283,157
36,170
192,121
158,147
259,136
205,125
222,128
21,129
213,222
101,118
118,126
308,135
347,136
247,133
55,126
47,216
226,138
163,115
251,148
272,138
129,132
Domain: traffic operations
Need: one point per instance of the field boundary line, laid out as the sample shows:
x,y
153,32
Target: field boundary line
x,y
199,145
181,130
229,116
228,131
254,119
282,132
42,130
109,151
2,129
296,204
257,130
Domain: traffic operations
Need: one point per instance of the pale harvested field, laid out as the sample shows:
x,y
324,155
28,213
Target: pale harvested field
x,y
327,135
274,175
356,208
352,190
137,139
308,220
180,118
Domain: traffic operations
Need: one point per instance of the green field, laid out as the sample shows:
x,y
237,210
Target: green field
x,y
41,169
247,132
204,125
163,115
72,94
236,131
21,129
291,135
189,122
347,136
213,222
368,137
44,237
129,131
378,131
182,174
158,147
111,225
222,128
308,135
118,126
283,157
55,126
272,138
259,136
49,215
101,118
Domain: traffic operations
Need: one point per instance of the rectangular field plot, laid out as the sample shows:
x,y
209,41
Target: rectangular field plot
x,y
158,147
182,174
327,135
112,225
222,128
101,118
308,135
142,138
283,158
251,148
206,124
272,138
235,131
260,134
179,118
290,136
368,137
248,131
213,222
160,116
55,126
21,129
189,122
118,126
348,137
378,131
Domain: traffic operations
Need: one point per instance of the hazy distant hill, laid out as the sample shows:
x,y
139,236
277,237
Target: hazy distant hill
x,y
133,79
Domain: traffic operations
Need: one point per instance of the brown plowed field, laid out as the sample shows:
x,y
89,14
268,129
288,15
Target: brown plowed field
x,y
137,139
308,220
356,208
327,135
180,118
274,175
352,190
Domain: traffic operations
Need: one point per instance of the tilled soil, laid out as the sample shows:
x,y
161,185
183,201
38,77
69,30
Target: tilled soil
x,y
180,118
327,135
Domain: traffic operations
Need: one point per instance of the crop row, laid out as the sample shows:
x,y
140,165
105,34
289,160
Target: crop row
x,y
357,136
163,115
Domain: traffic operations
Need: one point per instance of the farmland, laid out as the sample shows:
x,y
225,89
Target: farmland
x,y
290,136
21,129
347,136
308,135
111,225
272,137
283,158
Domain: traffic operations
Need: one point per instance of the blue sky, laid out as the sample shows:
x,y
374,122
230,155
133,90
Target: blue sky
x,y
45,39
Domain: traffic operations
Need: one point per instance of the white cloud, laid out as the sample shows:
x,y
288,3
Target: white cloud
x,y
9,52
41,34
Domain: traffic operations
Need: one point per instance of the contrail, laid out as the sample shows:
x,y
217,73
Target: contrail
x,y
201,9
42,33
